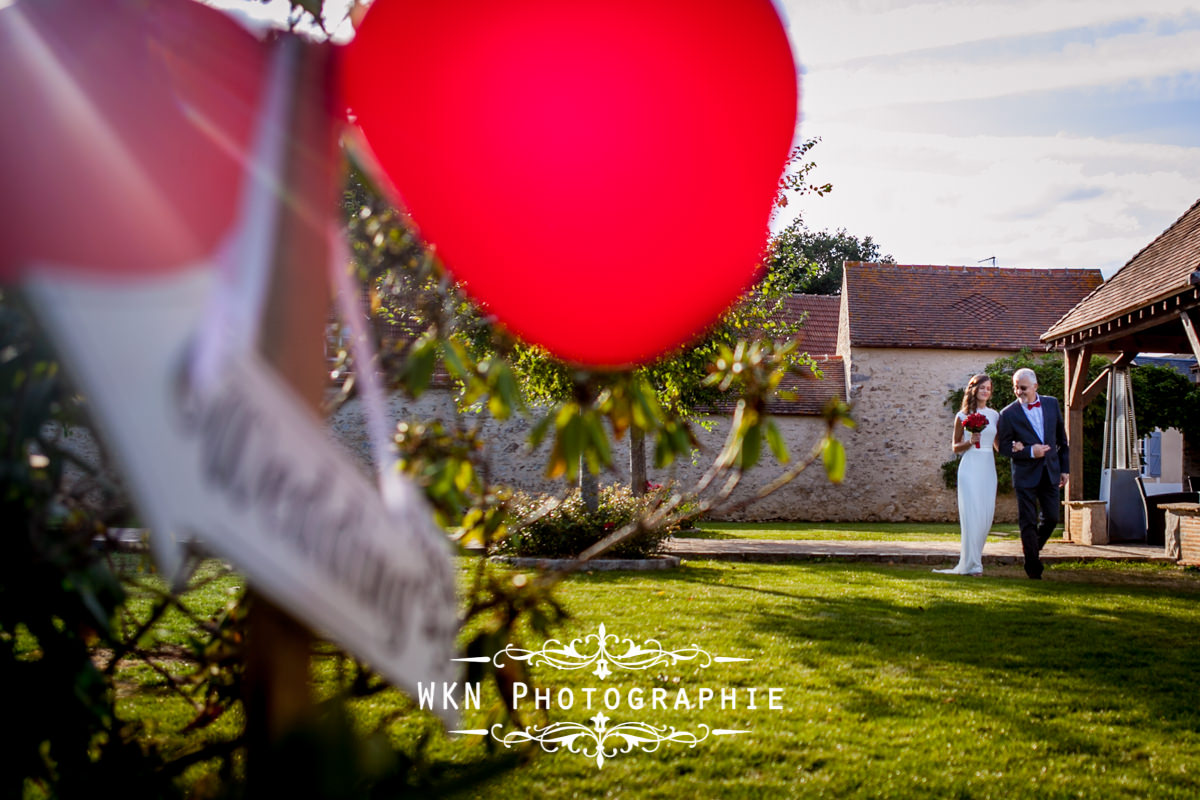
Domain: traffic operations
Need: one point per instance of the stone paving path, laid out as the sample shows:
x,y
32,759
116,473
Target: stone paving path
x,y
1006,550
996,551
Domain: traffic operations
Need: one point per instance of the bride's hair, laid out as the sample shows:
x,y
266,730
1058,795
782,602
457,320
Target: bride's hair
x,y
970,402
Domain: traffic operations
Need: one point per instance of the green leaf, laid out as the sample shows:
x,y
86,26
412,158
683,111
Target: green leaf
x,y
647,412
664,453
776,443
419,369
506,396
833,454
751,447
464,475
538,434
456,358
599,438
570,444
681,441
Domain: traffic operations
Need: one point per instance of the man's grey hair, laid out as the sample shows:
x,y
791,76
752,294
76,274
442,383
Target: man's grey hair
x,y
1026,373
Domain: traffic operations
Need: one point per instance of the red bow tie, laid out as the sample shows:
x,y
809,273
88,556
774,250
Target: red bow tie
x,y
1035,404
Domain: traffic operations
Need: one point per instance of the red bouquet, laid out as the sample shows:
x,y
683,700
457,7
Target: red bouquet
x,y
975,423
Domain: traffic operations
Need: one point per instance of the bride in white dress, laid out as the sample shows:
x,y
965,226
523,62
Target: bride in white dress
x,y
976,476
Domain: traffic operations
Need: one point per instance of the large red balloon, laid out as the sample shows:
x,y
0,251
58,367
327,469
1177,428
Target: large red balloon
x,y
599,173
124,136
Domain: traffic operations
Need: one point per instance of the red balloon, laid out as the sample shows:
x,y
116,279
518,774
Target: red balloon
x,y
124,135
598,173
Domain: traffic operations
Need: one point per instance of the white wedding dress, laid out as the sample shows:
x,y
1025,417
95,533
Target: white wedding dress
x,y
976,497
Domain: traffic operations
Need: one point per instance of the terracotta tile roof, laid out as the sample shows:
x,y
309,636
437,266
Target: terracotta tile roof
x,y
818,338
812,393
959,308
1162,268
818,333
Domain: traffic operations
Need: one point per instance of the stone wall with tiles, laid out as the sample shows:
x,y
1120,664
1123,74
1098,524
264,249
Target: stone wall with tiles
x,y
894,455
895,452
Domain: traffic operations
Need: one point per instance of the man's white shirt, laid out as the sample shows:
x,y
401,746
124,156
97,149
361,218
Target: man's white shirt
x,y
1034,415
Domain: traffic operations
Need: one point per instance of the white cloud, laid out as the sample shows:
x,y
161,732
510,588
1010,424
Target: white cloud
x,y
830,32
1030,201
1108,62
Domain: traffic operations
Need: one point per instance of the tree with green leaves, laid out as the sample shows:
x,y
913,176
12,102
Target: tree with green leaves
x,y
810,262
1163,398
662,399
579,410
1049,369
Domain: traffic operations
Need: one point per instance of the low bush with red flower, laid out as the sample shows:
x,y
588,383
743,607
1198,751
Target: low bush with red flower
x,y
568,528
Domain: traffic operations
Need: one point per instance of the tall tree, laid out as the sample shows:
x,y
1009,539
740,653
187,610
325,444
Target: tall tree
x,y
810,262
1164,398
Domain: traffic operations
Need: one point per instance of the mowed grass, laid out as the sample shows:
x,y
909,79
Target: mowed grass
x,y
894,682
839,531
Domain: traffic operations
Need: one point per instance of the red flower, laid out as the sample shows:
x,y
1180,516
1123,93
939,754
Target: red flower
x,y
975,423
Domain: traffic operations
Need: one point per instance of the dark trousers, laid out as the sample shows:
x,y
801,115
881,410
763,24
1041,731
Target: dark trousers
x,y
1033,535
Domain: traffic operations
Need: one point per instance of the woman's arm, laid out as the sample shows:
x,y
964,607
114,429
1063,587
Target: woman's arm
x,y
960,445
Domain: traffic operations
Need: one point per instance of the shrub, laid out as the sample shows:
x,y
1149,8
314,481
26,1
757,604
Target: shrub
x,y
568,529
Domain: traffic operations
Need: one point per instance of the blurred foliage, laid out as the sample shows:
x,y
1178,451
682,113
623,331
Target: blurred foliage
x,y
427,331
550,527
64,624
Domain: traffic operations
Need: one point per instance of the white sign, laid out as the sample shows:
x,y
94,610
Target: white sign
x,y
245,468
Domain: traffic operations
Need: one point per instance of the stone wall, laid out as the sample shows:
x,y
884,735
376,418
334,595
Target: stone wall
x,y
507,458
894,455
905,429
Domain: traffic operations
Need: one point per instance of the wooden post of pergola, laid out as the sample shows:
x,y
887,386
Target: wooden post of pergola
x,y
1075,366
1152,305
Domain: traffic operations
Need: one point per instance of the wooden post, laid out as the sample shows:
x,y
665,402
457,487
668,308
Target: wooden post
x,y
277,686
637,460
1075,364
1189,328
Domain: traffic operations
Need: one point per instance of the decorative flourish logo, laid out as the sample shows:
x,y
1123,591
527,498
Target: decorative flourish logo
x,y
593,742
644,656
600,741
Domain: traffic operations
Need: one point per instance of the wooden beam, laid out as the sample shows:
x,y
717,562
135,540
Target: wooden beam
x,y
1077,370
1125,359
1190,329
1094,388
1075,363
1157,316
1150,343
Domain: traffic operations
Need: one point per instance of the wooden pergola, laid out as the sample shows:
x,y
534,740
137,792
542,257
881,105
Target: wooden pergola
x,y
1151,305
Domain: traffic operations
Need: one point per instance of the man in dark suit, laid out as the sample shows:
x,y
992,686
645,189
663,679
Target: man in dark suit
x,y
1040,460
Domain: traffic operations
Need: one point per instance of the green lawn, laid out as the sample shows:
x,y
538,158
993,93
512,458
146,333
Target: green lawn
x,y
895,682
864,531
